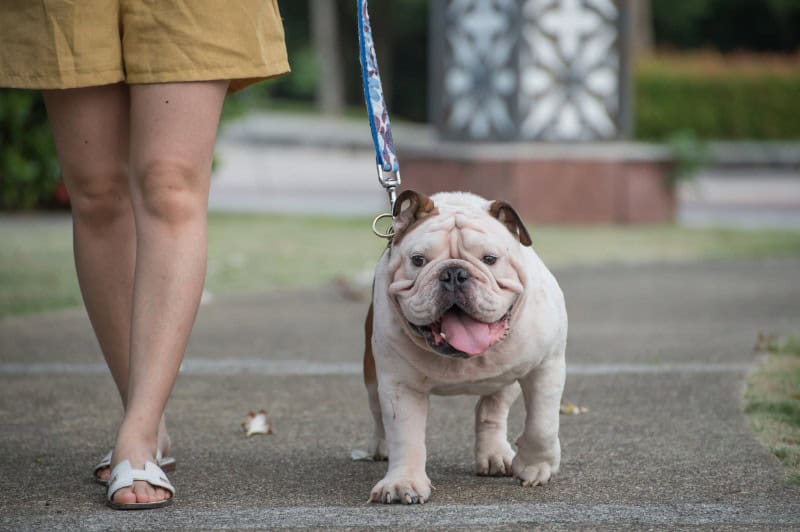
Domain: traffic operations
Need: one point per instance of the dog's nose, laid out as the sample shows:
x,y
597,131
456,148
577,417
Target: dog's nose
x,y
453,278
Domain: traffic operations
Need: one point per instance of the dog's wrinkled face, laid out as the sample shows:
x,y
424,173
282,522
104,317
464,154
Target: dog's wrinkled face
x,y
456,270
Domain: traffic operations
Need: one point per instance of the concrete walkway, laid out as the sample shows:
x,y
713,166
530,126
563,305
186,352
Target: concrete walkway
x,y
657,353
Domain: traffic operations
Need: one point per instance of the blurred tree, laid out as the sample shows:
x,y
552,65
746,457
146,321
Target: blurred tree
x,y
384,27
301,84
642,18
728,25
401,29
330,91
409,57
676,22
758,25
29,171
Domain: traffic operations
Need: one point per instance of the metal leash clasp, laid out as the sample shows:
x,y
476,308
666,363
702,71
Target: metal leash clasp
x,y
389,180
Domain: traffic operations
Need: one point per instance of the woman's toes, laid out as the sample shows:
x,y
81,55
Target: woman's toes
x,y
145,492
141,492
104,473
125,496
156,495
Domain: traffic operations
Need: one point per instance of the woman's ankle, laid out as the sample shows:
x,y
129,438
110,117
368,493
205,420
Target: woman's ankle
x,y
164,441
136,443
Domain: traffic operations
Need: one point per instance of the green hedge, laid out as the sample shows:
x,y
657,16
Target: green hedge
x,y
29,171
717,105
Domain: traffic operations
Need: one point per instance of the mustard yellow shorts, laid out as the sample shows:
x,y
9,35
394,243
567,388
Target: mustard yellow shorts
x,y
60,44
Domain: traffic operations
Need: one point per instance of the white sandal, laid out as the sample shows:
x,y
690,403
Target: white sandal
x,y
166,463
123,476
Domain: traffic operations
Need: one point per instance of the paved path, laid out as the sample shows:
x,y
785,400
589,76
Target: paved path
x,y
658,353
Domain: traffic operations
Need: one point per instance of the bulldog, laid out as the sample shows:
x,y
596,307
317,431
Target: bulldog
x,y
463,305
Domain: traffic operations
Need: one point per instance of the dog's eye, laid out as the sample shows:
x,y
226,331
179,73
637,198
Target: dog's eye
x,y
489,259
418,260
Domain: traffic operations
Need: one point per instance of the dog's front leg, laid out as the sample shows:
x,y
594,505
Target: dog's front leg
x,y
493,453
539,451
405,413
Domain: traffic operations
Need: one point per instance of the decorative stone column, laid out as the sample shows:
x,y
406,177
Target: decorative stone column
x,y
515,70
525,95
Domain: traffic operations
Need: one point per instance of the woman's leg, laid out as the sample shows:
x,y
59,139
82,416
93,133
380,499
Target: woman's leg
x,y
172,134
90,126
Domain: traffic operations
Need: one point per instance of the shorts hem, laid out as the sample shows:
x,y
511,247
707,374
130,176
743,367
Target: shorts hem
x,y
64,80
240,77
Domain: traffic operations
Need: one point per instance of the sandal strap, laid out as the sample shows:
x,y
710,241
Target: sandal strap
x,y
104,462
123,476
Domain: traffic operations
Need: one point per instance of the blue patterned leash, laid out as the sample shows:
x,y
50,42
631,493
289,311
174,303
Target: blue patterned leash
x,y
385,156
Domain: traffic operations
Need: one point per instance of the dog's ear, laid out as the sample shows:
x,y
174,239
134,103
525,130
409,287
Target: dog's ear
x,y
409,208
507,216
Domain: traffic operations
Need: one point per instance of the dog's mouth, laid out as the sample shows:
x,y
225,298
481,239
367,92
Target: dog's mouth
x,y
459,335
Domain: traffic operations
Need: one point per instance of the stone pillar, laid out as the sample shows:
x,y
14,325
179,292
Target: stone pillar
x,y
523,70
525,95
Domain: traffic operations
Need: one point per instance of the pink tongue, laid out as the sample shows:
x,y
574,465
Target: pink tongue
x,y
466,334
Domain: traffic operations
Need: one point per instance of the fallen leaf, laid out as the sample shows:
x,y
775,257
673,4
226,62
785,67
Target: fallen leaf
x,y
572,410
256,423
360,455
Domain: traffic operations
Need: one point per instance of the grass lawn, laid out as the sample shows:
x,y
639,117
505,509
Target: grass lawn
x,y
772,402
252,253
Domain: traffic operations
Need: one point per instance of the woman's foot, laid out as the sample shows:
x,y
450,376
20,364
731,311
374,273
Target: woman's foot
x,y
130,446
125,476
164,445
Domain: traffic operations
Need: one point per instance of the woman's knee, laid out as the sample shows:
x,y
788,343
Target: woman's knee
x,y
171,191
98,197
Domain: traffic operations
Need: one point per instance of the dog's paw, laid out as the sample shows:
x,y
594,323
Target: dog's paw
x,y
537,474
494,460
536,462
378,450
402,488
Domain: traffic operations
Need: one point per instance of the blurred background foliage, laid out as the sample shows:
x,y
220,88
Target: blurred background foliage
x,y
716,69
733,57
29,171
727,25
738,96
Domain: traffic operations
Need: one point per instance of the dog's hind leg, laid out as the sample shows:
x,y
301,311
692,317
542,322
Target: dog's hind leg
x,y
377,448
493,453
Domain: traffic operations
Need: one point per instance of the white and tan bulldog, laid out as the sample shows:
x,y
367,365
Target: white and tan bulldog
x,y
463,305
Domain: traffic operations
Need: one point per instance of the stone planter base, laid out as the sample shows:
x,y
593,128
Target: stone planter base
x,y
611,183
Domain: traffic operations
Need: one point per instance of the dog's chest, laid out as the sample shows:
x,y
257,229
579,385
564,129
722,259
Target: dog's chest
x,y
476,387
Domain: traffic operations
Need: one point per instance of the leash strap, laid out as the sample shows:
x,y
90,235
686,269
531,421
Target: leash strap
x,y
385,156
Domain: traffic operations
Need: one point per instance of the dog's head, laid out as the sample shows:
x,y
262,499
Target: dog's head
x,y
456,270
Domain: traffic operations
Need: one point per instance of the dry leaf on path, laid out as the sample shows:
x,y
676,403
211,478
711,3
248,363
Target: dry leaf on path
x,y
360,455
256,423
571,409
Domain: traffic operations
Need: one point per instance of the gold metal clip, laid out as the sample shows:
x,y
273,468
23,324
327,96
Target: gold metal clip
x,y
389,233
